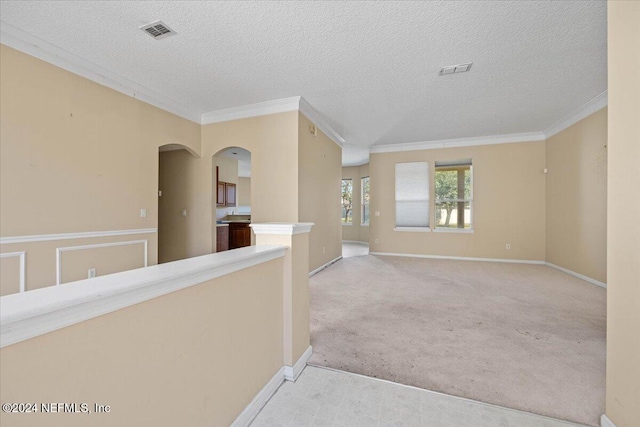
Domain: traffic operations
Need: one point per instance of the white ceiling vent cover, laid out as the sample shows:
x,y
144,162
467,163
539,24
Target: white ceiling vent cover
x,y
158,30
455,69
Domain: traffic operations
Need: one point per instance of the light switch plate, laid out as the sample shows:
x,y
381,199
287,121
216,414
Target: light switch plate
x,y
143,213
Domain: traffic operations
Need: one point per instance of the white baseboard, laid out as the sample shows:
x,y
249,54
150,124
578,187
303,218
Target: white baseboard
x,y
322,267
261,399
356,241
291,373
606,422
461,258
578,275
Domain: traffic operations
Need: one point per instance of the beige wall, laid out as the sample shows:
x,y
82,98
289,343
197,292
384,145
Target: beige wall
x,y
140,361
181,181
508,204
623,228
576,197
76,156
244,191
319,166
356,232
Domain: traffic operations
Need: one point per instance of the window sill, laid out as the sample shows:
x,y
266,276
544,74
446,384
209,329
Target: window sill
x,y
413,229
364,225
349,225
454,230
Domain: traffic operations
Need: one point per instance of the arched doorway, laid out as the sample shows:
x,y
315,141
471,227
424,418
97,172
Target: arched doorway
x,y
232,195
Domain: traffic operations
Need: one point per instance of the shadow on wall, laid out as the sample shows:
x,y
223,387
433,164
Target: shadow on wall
x,y
174,201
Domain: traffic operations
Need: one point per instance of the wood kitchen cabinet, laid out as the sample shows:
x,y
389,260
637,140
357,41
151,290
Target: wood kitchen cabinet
x,y
222,238
221,194
239,235
230,194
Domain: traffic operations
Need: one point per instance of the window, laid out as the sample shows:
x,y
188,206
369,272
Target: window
x,y
364,200
412,195
347,201
454,195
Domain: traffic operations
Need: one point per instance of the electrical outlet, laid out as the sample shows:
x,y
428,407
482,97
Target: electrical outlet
x,y
324,249
377,213
375,241
184,212
508,246
91,273
143,213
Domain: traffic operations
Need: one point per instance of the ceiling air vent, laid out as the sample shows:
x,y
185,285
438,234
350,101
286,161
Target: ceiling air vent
x,y
158,30
455,69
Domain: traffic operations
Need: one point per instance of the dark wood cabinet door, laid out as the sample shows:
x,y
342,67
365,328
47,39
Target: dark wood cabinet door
x,y
222,239
230,194
239,235
220,194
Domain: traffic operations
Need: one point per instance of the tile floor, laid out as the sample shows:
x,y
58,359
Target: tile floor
x,y
323,397
350,249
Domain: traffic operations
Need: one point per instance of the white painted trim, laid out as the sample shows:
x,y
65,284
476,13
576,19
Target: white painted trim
x,y
291,373
295,103
313,115
41,49
459,142
260,400
586,109
461,258
606,422
37,312
413,229
322,267
578,275
252,110
23,266
70,236
454,230
99,245
356,241
281,228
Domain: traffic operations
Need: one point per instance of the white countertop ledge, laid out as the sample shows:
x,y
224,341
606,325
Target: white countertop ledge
x,y
29,314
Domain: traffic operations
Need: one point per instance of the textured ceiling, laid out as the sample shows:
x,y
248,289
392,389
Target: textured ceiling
x,y
370,68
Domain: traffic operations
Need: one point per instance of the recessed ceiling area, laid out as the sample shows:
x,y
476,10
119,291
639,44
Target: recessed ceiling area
x,y
371,69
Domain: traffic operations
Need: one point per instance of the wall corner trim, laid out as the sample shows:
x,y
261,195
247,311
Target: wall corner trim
x,y
606,422
260,400
291,373
586,109
281,228
30,314
459,142
578,275
45,51
322,267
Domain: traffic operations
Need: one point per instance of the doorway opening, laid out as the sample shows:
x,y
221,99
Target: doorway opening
x,y
232,195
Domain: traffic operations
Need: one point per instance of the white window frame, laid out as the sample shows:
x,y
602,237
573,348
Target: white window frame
x,y
362,203
444,164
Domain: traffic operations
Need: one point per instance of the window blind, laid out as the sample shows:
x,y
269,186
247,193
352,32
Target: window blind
x,y
412,194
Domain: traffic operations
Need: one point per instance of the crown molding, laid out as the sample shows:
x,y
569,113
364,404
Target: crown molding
x,y
45,51
459,142
252,110
313,115
586,109
296,103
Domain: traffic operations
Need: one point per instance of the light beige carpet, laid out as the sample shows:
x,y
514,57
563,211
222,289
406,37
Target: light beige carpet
x,y
521,336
